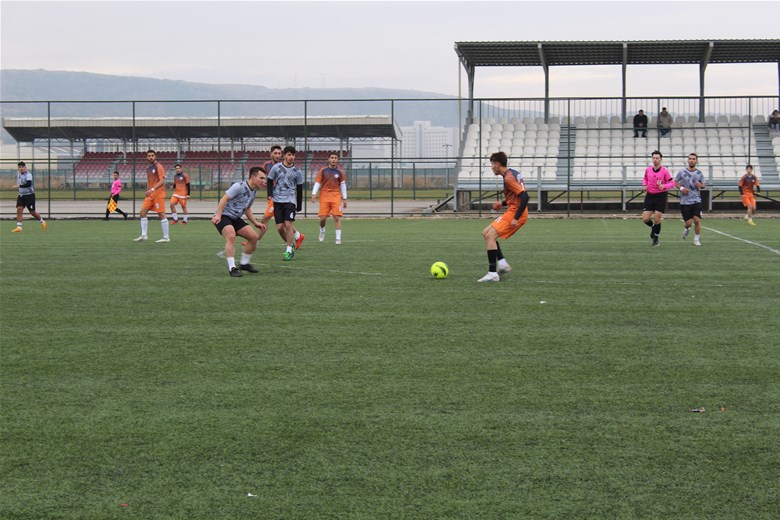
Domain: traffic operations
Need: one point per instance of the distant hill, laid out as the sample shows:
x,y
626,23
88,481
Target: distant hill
x,y
45,85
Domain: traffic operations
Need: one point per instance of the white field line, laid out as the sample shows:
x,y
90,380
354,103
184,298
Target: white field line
x,y
329,270
775,251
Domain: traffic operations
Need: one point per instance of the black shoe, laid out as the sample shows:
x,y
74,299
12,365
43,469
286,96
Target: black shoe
x,y
248,268
125,215
656,243
235,273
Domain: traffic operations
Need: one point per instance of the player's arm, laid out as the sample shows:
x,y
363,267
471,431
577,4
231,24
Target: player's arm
x,y
523,204
250,215
220,207
187,180
343,187
314,191
298,197
741,184
758,186
270,188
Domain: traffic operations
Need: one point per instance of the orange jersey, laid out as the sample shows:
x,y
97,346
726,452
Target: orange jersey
x,y
747,183
154,174
180,182
330,179
513,187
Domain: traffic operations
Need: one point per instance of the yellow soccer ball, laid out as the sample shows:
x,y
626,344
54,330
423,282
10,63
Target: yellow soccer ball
x,y
440,270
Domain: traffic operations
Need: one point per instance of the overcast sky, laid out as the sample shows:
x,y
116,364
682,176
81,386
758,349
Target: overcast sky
x,y
397,44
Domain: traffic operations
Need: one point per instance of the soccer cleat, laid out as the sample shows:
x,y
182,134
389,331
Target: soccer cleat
x,y
685,232
174,222
288,256
696,243
751,223
504,270
338,242
490,277
17,229
322,236
299,241
249,268
44,225
142,238
183,222
163,240
656,243
125,216
235,273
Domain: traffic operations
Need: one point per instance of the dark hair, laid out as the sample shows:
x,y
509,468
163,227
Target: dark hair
x,y
177,164
288,149
656,152
151,151
254,170
116,171
500,158
749,166
333,153
275,147
21,163
694,154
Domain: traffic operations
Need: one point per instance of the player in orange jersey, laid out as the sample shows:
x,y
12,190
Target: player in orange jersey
x,y
333,198
181,192
155,197
747,185
515,217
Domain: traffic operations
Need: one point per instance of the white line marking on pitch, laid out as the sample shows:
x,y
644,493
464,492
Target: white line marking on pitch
x,y
775,251
329,270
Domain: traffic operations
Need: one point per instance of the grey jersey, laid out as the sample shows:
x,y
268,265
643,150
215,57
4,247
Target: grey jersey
x,y
285,179
688,179
241,198
22,178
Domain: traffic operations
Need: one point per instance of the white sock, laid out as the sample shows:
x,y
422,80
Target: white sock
x,y
503,263
297,235
41,221
231,262
322,230
175,217
288,249
338,234
696,237
245,258
185,217
18,224
164,224
144,226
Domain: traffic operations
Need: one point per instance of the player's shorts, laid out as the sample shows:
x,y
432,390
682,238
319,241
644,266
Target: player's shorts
x,y
155,203
26,201
748,200
503,224
656,202
330,206
269,209
179,199
689,211
237,224
284,212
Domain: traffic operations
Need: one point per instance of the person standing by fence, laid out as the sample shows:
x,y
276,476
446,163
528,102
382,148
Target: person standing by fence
x,y
113,199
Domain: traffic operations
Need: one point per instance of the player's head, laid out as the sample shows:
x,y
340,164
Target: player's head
x,y
276,153
749,168
116,175
499,158
257,176
178,167
641,112
657,157
151,156
289,155
22,166
333,159
693,159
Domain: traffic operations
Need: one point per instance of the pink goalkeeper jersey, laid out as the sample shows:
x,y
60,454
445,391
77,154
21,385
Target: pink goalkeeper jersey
x,y
652,177
116,187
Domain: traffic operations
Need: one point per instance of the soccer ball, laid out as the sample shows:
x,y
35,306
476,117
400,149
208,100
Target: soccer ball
x,y
440,270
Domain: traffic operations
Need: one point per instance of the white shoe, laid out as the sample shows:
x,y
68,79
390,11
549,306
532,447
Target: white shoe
x,y
142,238
696,243
504,270
338,242
322,236
490,277
685,232
221,254
163,240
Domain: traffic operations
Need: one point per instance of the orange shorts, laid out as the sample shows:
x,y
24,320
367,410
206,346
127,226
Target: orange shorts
x,y
269,209
748,200
330,205
179,199
503,224
155,203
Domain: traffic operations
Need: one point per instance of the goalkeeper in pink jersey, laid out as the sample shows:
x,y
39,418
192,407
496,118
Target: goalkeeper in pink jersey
x,y
657,182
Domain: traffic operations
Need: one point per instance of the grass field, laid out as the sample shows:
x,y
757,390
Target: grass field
x,y
138,380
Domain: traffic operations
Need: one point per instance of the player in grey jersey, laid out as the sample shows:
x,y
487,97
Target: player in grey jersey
x,y
285,186
237,202
690,181
26,198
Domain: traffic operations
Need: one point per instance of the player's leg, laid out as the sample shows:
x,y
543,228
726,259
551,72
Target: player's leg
x,y
337,226
183,204
164,225
228,232
697,230
144,220
490,234
249,247
323,223
19,212
174,215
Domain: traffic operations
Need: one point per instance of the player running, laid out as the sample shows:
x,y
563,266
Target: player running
x,y
181,192
747,185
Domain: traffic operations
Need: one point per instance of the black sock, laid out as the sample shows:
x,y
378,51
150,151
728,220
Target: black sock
x,y
492,254
657,229
499,254
649,223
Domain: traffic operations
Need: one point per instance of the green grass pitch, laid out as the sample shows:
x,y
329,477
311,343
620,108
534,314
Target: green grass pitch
x,y
139,380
